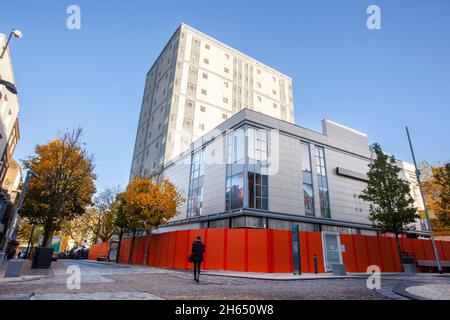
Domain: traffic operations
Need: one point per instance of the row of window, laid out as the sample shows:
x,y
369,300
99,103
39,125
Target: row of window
x,y
322,181
247,183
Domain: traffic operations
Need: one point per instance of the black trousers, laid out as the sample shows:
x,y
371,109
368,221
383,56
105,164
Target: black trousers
x,y
197,267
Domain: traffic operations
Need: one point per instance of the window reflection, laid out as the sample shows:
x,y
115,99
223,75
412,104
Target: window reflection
x,y
322,182
308,193
195,197
248,169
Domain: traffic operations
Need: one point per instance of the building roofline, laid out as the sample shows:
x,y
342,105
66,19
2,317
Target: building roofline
x,y
346,128
162,51
212,39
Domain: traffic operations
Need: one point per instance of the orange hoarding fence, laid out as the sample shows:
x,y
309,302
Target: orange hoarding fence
x,y
98,250
257,251
349,255
266,250
215,249
235,250
315,249
282,251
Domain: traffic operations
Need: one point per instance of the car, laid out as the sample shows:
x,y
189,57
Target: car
x,y
81,253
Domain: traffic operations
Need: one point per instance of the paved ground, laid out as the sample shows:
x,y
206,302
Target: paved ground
x,y
111,281
431,291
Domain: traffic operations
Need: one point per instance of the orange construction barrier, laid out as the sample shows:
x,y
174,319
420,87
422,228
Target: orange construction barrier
x,y
266,250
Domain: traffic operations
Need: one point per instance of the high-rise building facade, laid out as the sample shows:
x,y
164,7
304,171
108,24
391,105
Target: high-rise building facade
x,y
10,171
195,84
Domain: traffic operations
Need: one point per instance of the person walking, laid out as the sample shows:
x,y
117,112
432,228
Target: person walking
x,y
198,249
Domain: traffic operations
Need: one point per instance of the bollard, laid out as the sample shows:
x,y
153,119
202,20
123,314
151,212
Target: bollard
x,y
316,271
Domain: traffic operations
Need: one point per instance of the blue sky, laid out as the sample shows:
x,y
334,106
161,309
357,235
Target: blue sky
x,y
374,81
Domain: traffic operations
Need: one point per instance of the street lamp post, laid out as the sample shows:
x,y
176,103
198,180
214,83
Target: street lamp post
x,y
430,229
14,32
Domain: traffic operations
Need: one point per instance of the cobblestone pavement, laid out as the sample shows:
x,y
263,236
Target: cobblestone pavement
x,y
110,281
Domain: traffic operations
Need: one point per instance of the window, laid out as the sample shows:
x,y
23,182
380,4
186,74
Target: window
x,y
258,193
275,105
225,84
201,126
205,76
259,98
195,198
247,180
226,70
207,46
234,196
193,71
322,182
206,61
187,122
308,193
191,87
274,92
257,145
227,56
234,193
204,92
258,85
225,100
236,147
202,108
258,71
224,116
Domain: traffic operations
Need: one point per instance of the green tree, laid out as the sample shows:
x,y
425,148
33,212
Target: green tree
x,y
64,186
390,203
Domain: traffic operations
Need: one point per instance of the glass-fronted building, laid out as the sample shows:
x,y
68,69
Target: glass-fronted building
x,y
256,171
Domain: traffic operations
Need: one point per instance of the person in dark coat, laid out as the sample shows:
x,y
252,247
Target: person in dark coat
x,y
198,249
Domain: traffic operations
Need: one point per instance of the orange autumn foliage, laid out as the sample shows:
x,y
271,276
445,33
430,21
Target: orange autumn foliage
x,y
150,203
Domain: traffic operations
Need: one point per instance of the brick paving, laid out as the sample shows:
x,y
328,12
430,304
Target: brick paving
x,y
174,284
111,281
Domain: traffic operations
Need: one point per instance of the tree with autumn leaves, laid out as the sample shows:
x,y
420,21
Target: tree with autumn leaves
x,y
97,223
145,204
64,184
436,187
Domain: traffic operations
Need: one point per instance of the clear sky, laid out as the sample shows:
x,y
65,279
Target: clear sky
x,y
376,81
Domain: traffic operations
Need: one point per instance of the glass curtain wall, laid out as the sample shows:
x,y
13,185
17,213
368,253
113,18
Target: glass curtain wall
x,y
250,170
195,198
308,191
323,183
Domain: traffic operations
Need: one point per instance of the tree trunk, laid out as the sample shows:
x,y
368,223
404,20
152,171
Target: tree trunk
x,y
130,255
48,232
147,241
97,231
118,247
29,241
